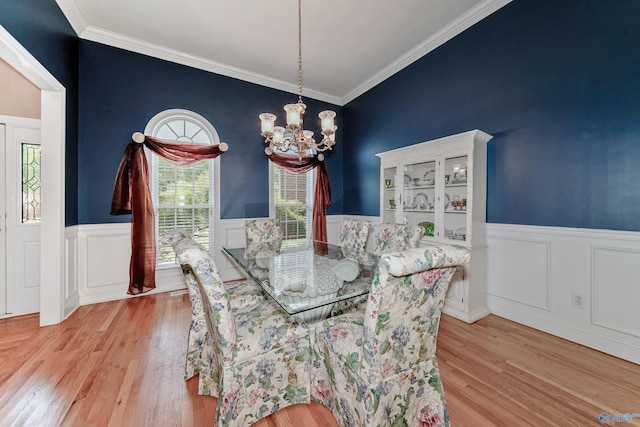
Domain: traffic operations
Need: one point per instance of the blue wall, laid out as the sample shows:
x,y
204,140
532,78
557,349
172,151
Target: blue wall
x,y
121,91
41,28
557,83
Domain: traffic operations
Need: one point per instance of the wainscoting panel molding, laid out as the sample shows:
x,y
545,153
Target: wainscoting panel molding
x,y
525,278
98,260
103,256
614,289
578,284
590,276
71,298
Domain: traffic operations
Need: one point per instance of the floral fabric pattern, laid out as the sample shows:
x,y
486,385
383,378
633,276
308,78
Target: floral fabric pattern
x,y
174,236
397,237
262,234
378,366
241,294
354,234
255,359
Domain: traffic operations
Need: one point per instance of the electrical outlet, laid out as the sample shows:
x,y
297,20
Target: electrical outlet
x,y
577,300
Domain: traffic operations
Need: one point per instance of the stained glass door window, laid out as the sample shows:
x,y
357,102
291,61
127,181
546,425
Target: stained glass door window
x,y
31,161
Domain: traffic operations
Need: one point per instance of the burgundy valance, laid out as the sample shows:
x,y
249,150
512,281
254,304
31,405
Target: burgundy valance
x,y
131,195
322,195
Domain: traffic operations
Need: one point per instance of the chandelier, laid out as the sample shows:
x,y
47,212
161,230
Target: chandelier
x,y
294,137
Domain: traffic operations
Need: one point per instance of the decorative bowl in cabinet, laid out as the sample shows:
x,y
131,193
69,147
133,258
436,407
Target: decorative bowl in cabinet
x,y
428,227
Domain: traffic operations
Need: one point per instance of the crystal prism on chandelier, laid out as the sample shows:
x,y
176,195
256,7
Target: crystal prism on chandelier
x,y
294,137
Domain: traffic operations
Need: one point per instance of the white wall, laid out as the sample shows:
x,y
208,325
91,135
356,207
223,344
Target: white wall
x,y
532,275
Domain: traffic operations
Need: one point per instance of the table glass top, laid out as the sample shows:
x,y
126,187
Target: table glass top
x,y
307,276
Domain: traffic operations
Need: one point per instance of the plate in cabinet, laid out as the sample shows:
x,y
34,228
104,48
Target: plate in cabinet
x,y
421,201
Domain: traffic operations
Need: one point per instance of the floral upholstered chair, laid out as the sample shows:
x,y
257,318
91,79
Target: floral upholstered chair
x,y
390,238
262,234
241,294
397,237
379,367
353,235
257,357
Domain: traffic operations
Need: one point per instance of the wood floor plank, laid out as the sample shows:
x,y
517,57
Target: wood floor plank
x,y
120,364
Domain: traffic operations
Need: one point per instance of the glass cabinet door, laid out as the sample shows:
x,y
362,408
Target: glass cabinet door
x,y
455,198
390,201
418,195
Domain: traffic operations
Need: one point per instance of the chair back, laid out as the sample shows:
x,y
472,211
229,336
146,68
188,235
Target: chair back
x,y
175,235
198,266
403,309
262,234
354,234
397,237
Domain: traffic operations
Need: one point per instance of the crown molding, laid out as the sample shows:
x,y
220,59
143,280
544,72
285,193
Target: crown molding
x,y
455,27
138,46
474,15
73,15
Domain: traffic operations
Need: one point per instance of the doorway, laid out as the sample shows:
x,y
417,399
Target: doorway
x,y
52,237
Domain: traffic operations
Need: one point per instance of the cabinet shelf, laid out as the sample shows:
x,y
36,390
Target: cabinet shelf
x,y
420,187
419,210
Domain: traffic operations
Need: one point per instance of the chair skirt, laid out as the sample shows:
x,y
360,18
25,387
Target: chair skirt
x,y
413,397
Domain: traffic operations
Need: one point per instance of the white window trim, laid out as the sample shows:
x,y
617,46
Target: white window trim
x,y
272,203
153,125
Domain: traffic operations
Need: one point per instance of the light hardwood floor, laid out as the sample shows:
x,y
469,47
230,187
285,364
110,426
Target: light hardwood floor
x,y
120,364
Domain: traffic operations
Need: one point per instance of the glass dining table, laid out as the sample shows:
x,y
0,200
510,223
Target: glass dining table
x,y
309,278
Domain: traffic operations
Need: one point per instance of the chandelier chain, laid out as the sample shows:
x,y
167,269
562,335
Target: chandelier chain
x,y
293,137
299,50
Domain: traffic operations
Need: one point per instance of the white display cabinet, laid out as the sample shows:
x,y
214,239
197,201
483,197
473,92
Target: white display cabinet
x,y
441,186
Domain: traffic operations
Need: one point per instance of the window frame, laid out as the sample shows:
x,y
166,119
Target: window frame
x,y
310,182
151,129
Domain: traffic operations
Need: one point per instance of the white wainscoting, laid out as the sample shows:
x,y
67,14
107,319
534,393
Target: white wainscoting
x,y
98,260
534,273
71,296
100,267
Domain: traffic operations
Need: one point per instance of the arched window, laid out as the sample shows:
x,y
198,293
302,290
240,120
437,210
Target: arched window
x,y
182,196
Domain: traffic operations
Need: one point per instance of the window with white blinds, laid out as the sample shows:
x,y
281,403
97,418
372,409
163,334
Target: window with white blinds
x,y
293,204
182,195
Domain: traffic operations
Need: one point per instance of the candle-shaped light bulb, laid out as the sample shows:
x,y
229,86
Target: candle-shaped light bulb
x,y
326,120
278,135
308,135
332,136
267,122
294,114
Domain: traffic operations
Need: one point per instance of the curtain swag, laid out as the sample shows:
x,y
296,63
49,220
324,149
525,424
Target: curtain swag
x,y
322,195
131,195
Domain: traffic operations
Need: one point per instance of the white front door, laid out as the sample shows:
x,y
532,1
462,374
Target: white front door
x,y
20,234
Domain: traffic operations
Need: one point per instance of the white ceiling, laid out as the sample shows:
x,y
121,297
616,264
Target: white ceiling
x,y
348,46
